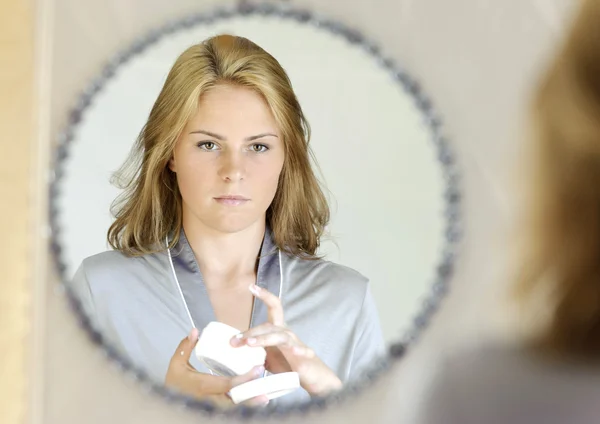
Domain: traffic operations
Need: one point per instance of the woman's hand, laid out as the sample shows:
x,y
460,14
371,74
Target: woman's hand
x,y
184,378
285,352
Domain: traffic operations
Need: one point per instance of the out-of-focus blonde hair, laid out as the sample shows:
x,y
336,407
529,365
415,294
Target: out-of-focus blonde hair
x,y
562,247
150,207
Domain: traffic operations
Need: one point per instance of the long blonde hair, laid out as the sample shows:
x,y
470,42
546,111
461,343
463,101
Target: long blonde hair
x,y
563,232
150,207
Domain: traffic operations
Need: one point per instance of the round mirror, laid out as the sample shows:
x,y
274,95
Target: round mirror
x,y
386,171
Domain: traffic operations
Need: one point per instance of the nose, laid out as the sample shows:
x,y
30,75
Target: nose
x,y
232,166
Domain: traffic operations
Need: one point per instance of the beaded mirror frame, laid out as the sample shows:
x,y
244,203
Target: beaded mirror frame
x,y
452,212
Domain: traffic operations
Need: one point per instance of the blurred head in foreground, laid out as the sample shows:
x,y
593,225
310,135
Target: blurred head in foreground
x,y
561,254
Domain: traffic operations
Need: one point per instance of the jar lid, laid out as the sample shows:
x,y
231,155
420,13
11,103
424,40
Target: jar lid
x,y
273,386
215,351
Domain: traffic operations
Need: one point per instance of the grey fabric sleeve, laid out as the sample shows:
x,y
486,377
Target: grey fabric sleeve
x,y
369,343
83,293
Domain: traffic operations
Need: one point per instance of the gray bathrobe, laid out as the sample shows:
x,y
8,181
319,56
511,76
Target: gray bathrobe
x,y
139,305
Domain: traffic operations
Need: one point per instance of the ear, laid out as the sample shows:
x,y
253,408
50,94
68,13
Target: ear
x,y
172,166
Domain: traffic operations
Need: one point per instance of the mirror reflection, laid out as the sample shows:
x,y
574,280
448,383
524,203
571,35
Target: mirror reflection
x,y
251,218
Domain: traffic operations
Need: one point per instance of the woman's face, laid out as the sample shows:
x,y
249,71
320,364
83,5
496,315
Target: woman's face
x,y
228,160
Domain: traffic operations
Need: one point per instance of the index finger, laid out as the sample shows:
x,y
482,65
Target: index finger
x,y
186,347
273,304
206,384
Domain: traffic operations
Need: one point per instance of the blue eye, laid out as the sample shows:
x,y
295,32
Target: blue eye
x,y
259,148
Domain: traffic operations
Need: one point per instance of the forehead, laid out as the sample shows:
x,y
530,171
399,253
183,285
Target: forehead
x,y
228,107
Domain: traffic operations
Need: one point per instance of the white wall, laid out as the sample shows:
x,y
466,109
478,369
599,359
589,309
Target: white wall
x,y
375,154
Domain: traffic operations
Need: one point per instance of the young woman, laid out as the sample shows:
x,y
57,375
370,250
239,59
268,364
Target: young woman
x,y
221,207
553,374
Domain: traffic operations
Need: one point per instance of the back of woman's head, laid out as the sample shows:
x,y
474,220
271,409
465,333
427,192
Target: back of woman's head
x,y
562,252
150,207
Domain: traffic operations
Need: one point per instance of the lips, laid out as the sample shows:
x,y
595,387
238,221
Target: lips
x,y
231,197
232,200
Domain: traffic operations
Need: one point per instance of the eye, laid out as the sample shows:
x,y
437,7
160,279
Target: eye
x,y
259,148
207,145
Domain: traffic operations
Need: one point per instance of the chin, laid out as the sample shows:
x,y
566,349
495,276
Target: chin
x,y
231,226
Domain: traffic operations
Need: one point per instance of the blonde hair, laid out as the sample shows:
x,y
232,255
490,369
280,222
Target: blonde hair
x,y
150,207
563,233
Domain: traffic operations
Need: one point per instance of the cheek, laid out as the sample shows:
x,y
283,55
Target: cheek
x,y
269,173
193,177
271,181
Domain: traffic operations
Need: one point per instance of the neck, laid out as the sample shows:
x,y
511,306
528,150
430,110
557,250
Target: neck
x,y
225,256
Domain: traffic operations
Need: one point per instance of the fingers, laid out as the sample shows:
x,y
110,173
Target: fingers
x,y
262,400
268,335
183,377
240,339
283,340
273,304
279,338
186,347
265,334
303,351
205,384
253,374
212,384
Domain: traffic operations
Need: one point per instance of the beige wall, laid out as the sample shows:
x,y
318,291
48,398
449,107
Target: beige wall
x,y
16,132
477,60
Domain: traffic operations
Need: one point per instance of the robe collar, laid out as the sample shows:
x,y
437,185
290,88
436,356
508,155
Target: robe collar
x,y
193,289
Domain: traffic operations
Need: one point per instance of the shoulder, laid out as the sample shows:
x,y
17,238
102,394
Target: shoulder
x,y
490,372
507,360
109,268
112,259
109,262
327,276
475,365
108,258
493,360
322,269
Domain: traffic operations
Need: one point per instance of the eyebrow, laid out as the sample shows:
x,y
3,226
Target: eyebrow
x,y
220,137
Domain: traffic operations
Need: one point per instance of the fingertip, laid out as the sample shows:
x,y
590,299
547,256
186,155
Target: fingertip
x,y
193,336
254,289
261,401
255,372
236,341
259,370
